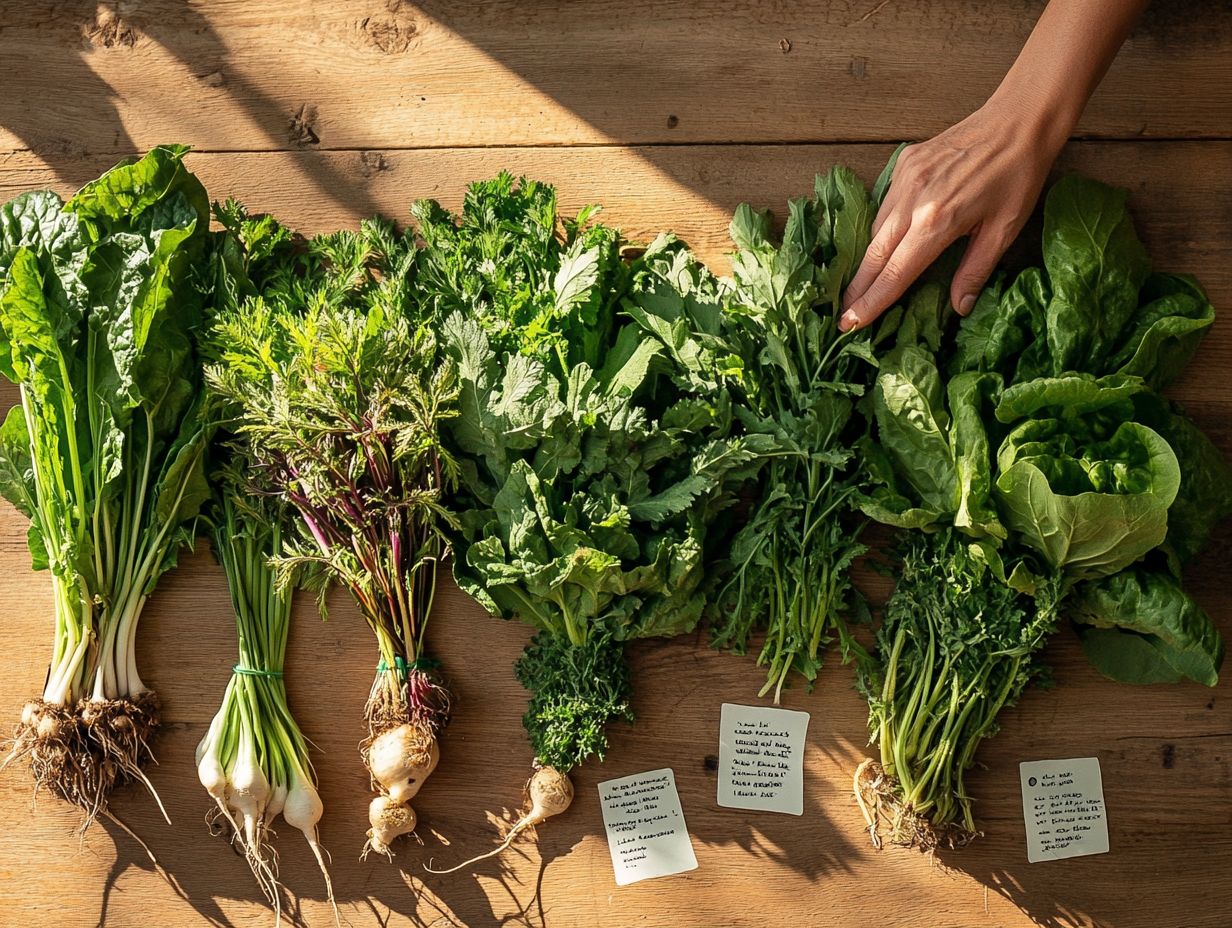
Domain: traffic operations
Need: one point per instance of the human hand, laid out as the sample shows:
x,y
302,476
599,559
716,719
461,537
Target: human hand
x,y
980,178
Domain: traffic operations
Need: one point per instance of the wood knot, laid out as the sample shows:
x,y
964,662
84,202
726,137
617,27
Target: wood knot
x,y
372,163
108,30
390,36
302,126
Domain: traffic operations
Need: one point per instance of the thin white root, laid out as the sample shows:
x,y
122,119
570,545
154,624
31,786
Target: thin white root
x,y
517,829
870,813
329,886
106,813
135,770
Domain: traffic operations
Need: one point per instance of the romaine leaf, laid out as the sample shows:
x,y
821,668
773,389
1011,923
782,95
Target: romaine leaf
x,y
1091,534
1096,266
1068,395
1139,626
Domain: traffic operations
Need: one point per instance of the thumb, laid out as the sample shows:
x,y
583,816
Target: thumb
x,y
983,252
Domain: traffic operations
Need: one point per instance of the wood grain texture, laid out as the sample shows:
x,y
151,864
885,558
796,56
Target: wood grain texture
x,y
1166,750
323,112
355,74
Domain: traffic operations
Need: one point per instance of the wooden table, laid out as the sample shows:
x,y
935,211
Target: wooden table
x,y
670,114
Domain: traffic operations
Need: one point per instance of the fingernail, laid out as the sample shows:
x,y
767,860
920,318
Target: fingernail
x,y
848,321
966,304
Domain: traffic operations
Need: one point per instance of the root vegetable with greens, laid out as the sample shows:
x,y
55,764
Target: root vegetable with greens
x,y
99,301
590,472
253,759
341,393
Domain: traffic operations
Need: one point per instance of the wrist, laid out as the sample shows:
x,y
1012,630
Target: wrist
x,y
1032,113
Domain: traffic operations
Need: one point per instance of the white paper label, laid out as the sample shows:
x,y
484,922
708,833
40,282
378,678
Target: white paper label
x,y
761,758
1063,804
646,833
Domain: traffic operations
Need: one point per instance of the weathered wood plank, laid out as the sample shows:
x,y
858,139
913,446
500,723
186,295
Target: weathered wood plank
x,y
337,74
1167,750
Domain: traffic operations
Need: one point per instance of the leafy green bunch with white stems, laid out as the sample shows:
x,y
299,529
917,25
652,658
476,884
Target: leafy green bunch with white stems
x,y
100,300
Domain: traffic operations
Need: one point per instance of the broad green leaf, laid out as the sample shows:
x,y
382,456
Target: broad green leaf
x,y
1096,266
1165,333
1068,395
1141,627
1092,534
913,425
16,468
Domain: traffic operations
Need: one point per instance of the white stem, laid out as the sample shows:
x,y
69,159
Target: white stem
x,y
58,687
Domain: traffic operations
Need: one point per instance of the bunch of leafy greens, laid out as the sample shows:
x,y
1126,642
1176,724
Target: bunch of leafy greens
x,y
99,301
340,393
1034,442
770,337
957,645
589,469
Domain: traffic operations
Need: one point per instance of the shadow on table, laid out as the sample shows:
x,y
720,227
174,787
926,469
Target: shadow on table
x,y
809,844
196,885
1036,893
185,34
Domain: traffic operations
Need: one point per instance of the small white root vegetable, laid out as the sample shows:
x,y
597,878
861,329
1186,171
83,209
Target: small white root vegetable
x,y
401,759
550,793
389,821
248,793
302,809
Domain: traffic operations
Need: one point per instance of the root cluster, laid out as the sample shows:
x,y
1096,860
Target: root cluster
x,y
891,819
400,752
81,754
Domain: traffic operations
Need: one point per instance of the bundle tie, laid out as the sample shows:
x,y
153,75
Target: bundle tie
x,y
253,672
420,664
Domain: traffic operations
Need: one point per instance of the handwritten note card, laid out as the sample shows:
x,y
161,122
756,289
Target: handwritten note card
x,y
646,833
1063,804
761,758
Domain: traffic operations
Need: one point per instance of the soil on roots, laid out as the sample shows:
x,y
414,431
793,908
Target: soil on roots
x,y
880,798
418,699
82,754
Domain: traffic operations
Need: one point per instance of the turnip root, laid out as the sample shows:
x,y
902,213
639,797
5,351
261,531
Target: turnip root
x,y
389,820
550,793
405,713
301,808
401,758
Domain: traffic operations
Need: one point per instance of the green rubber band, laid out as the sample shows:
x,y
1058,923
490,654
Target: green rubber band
x,y
250,672
421,664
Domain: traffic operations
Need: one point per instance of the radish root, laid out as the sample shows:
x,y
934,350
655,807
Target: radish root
x,y
400,752
549,792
